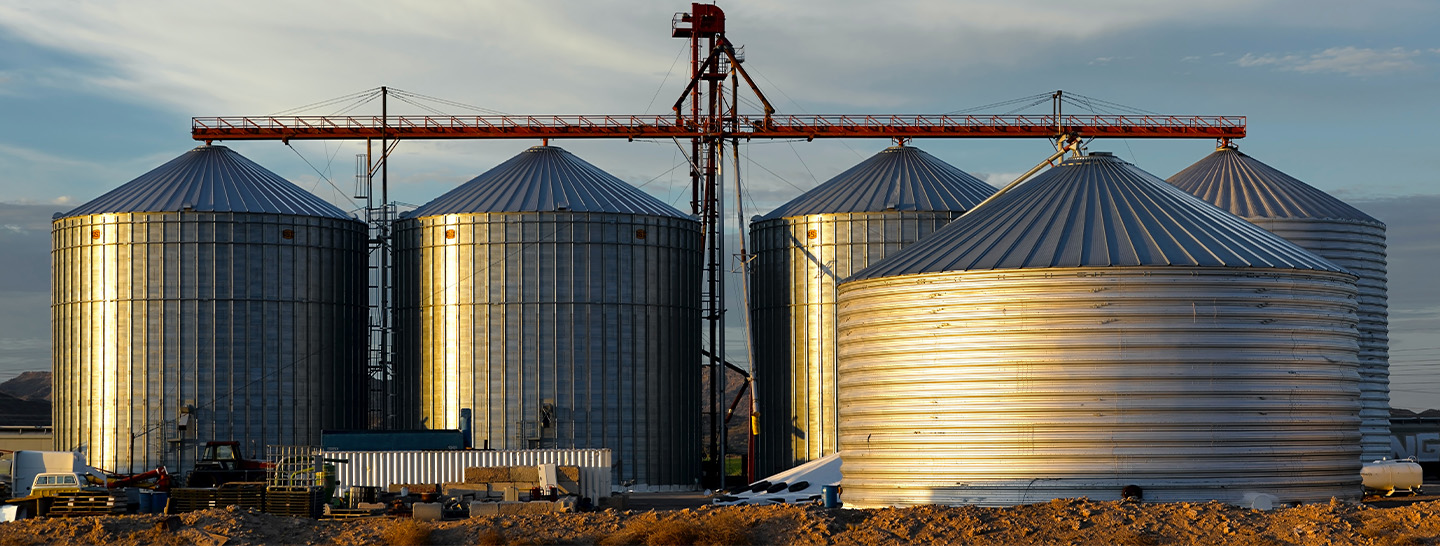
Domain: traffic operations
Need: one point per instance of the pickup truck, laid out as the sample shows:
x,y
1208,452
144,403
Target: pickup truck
x,y
47,486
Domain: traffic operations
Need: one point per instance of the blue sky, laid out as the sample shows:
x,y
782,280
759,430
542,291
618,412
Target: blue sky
x,y
1339,94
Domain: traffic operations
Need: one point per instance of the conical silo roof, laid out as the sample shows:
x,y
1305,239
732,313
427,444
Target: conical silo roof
x,y
1248,188
1096,211
210,179
546,179
900,178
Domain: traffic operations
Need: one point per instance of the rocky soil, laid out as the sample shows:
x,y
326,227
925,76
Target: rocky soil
x,y
1069,521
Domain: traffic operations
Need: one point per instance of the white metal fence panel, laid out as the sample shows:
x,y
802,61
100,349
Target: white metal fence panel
x,y
382,468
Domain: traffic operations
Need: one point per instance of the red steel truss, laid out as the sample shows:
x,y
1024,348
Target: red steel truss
x,y
748,127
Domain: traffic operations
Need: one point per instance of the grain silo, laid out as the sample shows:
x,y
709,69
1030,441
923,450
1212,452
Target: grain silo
x,y
208,299
1330,228
562,305
1090,330
801,249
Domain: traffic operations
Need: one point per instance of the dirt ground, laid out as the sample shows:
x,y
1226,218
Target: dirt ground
x,y
1070,521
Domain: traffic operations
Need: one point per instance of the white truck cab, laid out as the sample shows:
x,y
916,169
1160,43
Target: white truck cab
x,y
31,465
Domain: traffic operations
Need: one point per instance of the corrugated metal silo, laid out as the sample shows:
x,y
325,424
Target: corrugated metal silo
x,y
1092,329
563,306
1330,228
801,248
208,299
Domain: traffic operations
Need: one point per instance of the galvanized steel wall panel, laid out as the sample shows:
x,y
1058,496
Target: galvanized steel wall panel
x,y
384,468
1359,247
1329,227
1016,386
798,262
595,314
254,320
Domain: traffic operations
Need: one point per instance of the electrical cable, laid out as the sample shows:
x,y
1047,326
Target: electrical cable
x,y
323,177
679,54
365,96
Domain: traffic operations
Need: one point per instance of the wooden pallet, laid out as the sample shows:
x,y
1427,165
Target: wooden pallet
x,y
190,499
87,503
293,500
241,494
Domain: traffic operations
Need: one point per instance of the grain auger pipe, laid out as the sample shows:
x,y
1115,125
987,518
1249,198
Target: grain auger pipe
x,y
1066,143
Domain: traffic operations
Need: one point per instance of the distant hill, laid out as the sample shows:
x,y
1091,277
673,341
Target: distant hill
x,y
17,412
28,386
25,400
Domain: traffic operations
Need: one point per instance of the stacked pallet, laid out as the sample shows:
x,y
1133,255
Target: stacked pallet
x,y
301,501
241,494
191,499
87,503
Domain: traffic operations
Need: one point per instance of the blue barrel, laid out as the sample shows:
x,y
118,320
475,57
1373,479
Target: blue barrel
x,y
147,501
830,494
159,500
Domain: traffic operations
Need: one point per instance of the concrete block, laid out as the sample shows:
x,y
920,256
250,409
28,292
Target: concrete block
x,y
569,487
459,490
524,474
571,473
511,507
427,511
476,474
484,509
543,507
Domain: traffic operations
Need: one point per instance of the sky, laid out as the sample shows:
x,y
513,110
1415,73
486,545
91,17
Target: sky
x,y
1339,94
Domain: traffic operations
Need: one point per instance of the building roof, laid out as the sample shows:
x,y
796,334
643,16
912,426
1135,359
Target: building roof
x,y
1248,188
1096,211
898,178
210,179
546,179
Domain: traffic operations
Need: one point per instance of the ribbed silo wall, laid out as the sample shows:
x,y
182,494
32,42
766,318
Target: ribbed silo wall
x,y
252,323
798,262
1016,386
595,315
1360,248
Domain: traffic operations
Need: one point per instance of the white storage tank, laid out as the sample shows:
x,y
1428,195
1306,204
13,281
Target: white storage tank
x,y
801,249
208,299
562,306
1329,227
1092,330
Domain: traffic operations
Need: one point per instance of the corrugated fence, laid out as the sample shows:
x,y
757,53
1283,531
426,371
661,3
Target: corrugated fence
x,y
382,468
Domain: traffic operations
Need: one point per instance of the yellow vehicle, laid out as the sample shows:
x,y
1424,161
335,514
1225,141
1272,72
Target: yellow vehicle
x,y
48,487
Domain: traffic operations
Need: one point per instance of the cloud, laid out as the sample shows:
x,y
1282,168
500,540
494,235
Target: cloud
x,y
1349,61
528,56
